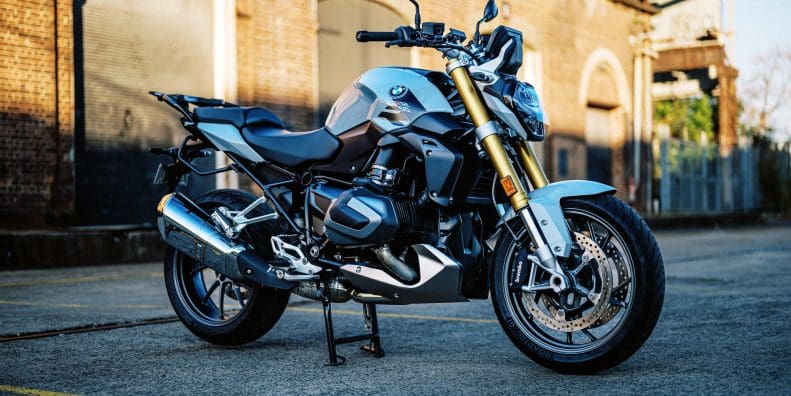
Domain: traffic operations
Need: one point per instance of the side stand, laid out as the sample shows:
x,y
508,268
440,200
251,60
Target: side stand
x,y
371,324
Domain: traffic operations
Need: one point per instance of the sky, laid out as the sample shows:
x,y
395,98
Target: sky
x,y
760,25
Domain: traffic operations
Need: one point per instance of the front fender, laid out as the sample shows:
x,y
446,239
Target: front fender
x,y
545,204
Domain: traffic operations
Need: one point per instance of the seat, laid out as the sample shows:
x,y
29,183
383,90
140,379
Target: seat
x,y
292,149
237,116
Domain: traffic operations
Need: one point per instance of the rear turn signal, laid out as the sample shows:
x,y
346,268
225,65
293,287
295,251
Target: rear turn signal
x,y
162,202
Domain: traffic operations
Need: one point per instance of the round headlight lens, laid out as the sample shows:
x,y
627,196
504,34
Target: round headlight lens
x,y
527,107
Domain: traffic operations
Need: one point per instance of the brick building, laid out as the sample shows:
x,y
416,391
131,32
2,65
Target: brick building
x,y
75,121
36,111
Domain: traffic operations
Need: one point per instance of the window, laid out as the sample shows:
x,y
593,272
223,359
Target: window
x,y
563,162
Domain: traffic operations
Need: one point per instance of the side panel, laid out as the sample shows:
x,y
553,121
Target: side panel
x,y
442,164
357,147
227,138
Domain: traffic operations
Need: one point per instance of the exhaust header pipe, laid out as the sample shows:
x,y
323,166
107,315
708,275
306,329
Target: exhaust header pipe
x,y
188,229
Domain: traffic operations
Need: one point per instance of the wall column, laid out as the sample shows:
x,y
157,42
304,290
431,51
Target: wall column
x,y
225,85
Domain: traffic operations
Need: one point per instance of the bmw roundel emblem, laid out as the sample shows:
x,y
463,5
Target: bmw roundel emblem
x,y
398,91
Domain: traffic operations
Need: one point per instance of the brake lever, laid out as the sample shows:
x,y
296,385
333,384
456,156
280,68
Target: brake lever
x,y
401,43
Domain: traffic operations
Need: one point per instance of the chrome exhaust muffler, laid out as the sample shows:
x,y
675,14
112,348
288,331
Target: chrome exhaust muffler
x,y
188,229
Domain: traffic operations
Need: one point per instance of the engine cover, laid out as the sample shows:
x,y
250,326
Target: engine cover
x,y
359,217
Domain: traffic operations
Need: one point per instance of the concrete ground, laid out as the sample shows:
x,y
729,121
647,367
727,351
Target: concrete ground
x,y
725,328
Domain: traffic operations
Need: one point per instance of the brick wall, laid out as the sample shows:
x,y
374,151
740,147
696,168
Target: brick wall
x,y
276,47
278,66
130,48
36,112
276,58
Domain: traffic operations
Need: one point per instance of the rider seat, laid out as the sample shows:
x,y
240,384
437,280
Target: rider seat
x,y
237,116
266,134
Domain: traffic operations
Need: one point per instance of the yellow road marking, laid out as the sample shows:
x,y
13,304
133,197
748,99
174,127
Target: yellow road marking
x,y
30,391
397,315
58,305
82,279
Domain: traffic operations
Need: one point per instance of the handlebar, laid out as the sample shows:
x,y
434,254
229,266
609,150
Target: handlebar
x,y
430,37
364,36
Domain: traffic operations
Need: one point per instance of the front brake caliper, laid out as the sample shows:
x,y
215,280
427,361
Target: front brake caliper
x,y
520,270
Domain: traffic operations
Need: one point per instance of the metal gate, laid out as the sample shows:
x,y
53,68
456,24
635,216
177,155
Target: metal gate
x,y
699,179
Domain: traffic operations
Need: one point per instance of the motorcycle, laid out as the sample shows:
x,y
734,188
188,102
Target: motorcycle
x,y
421,187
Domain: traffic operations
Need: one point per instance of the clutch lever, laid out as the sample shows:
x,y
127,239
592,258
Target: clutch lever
x,y
398,43
171,152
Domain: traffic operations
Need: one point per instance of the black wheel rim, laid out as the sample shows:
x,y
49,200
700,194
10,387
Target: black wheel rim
x,y
210,298
585,340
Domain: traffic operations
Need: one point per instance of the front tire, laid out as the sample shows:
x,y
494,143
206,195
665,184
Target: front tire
x,y
604,328
216,308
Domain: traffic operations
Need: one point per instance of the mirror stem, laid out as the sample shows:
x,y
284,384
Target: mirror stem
x,y
417,14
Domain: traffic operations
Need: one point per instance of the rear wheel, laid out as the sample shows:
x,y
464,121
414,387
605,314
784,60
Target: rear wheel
x,y
613,302
214,307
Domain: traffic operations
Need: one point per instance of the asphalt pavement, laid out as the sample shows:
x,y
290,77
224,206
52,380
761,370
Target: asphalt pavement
x,y
725,329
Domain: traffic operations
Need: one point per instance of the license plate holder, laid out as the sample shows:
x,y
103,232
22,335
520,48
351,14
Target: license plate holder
x,y
163,176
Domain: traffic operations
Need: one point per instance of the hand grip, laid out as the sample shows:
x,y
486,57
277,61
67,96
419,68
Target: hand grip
x,y
364,36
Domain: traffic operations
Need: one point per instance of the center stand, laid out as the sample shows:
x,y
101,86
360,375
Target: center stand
x,y
371,324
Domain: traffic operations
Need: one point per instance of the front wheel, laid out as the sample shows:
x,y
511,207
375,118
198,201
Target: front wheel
x,y
617,286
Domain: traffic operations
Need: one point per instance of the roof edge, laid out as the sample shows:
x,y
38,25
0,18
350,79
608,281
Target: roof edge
x,y
639,5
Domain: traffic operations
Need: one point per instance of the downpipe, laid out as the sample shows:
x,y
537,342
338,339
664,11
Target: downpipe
x,y
406,273
188,228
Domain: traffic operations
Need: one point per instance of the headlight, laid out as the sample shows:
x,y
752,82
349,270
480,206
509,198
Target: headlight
x,y
524,102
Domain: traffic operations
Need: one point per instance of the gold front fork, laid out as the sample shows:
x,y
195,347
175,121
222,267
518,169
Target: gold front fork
x,y
529,161
486,131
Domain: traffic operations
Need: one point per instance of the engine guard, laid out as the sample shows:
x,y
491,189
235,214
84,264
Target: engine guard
x,y
545,204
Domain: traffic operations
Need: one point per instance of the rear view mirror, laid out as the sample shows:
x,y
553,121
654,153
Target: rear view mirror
x,y
491,11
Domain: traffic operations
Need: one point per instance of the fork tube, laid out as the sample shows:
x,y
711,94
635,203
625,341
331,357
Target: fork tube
x,y
486,131
529,161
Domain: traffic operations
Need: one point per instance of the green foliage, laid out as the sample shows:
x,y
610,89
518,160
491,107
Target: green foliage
x,y
747,125
688,119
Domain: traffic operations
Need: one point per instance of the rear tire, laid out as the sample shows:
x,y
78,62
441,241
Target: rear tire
x,y
633,326
188,284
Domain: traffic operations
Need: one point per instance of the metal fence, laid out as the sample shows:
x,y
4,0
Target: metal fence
x,y
698,178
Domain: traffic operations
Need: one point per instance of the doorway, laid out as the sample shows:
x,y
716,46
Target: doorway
x,y
598,143
341,58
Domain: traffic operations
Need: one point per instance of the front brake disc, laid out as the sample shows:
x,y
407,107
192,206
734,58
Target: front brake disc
x,y
545,308
620,288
